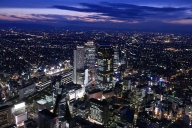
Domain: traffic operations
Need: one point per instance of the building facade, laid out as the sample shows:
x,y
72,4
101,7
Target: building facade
x,y
105,67
67,76
79,64
116,58
47,119
19,113
59,100
27,90
99,111
5,116
90,59
90,51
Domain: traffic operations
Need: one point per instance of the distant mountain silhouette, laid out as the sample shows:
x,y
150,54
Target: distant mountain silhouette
x,y
23,25
164,28
35,25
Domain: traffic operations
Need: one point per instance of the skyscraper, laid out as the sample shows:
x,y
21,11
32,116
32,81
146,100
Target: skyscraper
x,y
56,87
78,62
90,52
99,111
47,119
67,116
58,99
116,58
105,67
80,54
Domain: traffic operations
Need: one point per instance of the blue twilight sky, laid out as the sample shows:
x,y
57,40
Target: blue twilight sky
x,y
143,15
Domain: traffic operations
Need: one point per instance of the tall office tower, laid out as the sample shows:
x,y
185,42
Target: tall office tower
x,y
90,53
5,116
116,58
78,62
67,116
47,119
59,99
57,107
105,67
80,57
56,87
99,111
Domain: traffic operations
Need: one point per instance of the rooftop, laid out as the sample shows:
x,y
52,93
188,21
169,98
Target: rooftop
x,y
20,112
103,102
41,101
48,114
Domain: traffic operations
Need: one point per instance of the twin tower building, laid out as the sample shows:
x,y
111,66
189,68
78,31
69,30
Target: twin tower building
x,y
94,64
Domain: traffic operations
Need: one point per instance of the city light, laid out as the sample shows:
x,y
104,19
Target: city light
x,y
51,75
19,106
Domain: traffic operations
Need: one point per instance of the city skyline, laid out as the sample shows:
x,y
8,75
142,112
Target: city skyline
x,y
96,64
162,16
137,80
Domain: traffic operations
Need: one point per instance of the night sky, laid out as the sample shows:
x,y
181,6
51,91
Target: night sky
x,y
139,15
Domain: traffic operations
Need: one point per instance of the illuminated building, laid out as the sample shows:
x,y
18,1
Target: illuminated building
x,y
74,91
5,116
116,58
80,108
59,107
56,87
70,92
19,113
126,83
82,77
86,79
67,64
123,58
59,100
83,110
67,76
47,119
99,111
188,111
80,57
78,61
26,90
90,52
67,116
44,103
105,67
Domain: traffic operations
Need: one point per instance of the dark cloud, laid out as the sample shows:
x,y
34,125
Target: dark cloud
x,y
144,8
129,12
188,18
